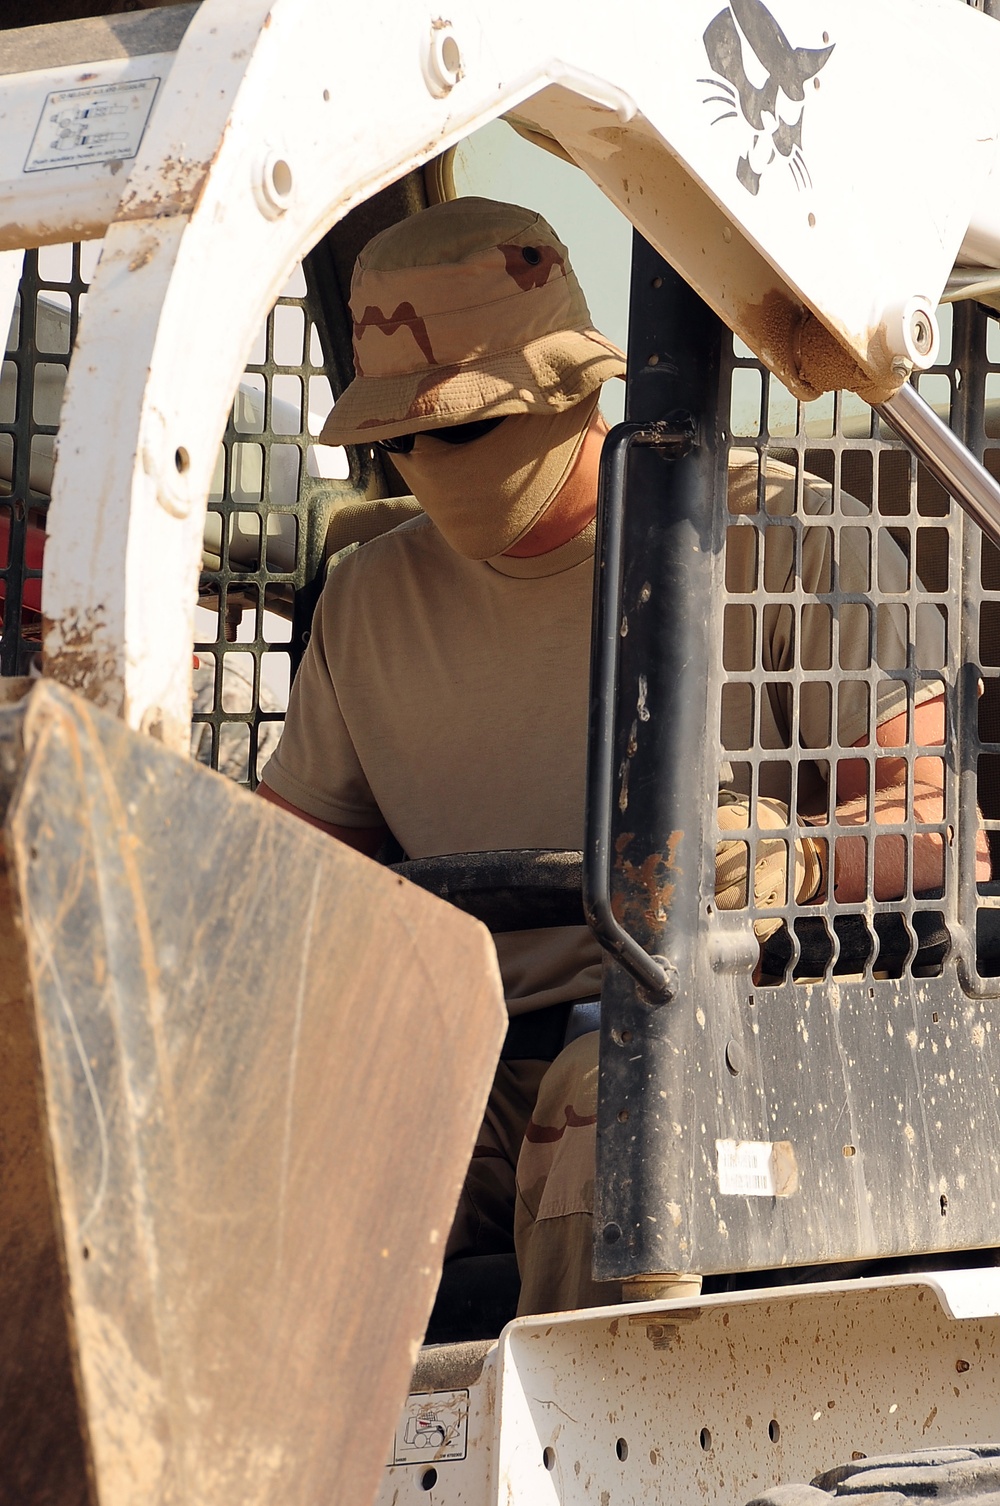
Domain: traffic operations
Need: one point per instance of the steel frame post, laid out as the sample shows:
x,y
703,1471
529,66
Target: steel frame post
x,y
660,798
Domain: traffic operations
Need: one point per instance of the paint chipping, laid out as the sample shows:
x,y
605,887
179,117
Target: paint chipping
x,y
144,253
178,187
76,656
645,889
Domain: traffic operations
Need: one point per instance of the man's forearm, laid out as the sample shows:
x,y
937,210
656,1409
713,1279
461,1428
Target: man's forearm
x,y
366,839
890,807
889,864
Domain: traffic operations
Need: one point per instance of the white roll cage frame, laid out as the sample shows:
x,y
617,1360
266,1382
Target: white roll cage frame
x,y
276,117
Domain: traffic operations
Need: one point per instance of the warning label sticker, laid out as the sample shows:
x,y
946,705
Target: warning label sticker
x,y
756,1168
433,1429
101,123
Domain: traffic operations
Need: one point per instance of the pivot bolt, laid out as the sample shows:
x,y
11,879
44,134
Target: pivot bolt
x,y
911,333
922,333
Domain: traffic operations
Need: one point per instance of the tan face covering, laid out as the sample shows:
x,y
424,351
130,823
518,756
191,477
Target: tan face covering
x,y
486,495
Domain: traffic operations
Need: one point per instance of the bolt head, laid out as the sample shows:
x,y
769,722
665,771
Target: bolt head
x,y
442,62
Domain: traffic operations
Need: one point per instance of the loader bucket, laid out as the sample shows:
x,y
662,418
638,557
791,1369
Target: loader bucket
x,y
242,1072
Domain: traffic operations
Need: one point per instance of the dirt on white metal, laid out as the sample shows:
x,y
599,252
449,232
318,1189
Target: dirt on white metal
x,y
718,1400
243,1068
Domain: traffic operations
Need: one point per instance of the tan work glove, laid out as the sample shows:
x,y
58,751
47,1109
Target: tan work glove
x,y
769,876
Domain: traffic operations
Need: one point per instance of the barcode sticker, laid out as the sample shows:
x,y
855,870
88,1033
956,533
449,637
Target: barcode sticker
x,y
756,1168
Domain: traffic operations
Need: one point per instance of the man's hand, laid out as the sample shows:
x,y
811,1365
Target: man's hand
x,y
366,839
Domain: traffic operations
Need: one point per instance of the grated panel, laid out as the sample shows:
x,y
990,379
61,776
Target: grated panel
x,y
820,1086
272,495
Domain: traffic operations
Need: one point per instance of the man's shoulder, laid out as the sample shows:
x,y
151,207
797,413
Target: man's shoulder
x,y
415,540
409,563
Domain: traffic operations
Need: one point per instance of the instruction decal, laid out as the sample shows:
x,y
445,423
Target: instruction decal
x,y
434,1429
756,1168
100,123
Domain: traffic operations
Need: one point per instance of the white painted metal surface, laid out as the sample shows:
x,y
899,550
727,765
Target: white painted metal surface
x,y
716,1401
258,144
74,105
457,1468
11,263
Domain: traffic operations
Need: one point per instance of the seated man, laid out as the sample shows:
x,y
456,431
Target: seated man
x,y
443,695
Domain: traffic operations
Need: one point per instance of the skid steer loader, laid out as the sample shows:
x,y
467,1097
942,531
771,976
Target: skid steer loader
x,y
224,1037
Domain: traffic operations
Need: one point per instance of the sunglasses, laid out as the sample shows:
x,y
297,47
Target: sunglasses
x,y
402,444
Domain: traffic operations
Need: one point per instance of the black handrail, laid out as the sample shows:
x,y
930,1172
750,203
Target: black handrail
x,y
675,436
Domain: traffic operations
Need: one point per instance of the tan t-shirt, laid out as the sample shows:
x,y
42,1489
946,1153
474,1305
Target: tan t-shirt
x,y
448,697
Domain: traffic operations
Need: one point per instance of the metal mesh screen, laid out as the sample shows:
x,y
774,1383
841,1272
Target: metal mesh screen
x,y
36,359
269,505
843,614
811,1091
264,536
877,596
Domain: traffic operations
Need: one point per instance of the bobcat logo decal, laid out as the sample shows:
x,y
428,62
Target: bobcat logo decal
x,y
745,35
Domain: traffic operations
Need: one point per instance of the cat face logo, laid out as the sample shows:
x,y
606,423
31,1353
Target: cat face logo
x,y
746,36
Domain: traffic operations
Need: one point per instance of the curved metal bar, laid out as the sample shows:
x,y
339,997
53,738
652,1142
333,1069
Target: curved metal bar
x,y
946,457
651,972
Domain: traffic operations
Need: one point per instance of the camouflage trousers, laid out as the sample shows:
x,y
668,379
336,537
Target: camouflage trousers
x,y
530,1186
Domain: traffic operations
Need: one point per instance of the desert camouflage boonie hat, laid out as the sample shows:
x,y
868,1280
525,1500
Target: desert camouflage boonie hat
x,y
469,309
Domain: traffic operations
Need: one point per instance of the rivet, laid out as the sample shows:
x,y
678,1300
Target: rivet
x,y
167,465
734,1058
273,185
442,60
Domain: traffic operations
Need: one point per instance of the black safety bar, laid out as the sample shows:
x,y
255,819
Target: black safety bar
x,y
675,437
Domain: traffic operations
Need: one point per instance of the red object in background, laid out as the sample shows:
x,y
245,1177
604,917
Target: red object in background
x,y
34,549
